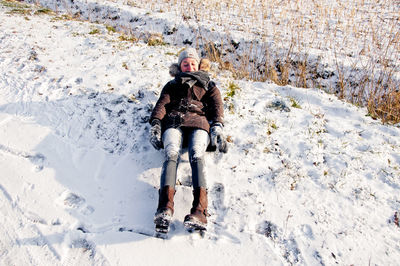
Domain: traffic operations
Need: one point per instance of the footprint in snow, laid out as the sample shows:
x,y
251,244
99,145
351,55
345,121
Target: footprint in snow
x,y
80,251
38,160
72,200
288,247
307,231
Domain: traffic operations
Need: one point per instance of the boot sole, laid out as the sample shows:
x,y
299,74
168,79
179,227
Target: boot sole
x,y
162,222
161,230
162,219
191,225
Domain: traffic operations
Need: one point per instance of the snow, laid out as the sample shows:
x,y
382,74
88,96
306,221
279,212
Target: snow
x,y
318,184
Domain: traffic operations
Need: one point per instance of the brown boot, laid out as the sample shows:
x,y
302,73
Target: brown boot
x,y
165,208
197,219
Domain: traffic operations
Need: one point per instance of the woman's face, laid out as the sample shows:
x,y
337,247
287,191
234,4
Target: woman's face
x,y
189,65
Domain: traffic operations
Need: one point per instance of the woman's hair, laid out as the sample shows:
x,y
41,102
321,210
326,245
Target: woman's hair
x,y
204,64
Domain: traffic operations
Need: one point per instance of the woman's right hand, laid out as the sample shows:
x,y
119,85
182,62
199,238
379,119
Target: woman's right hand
x,y
155,134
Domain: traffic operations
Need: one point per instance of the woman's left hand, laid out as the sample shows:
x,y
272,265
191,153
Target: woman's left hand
x,y
217,138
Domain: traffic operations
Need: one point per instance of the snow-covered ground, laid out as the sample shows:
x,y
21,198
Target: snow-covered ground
x,y
318,184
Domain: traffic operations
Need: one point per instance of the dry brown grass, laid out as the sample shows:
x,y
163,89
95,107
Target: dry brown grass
x,y
385,107
350,48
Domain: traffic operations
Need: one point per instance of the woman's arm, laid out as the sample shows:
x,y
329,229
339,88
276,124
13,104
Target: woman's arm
x,y
215,112
159,110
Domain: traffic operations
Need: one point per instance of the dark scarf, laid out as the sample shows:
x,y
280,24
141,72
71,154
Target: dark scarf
x,y
200,78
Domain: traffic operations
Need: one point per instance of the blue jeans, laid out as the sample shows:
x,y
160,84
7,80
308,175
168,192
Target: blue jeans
x,y
198,140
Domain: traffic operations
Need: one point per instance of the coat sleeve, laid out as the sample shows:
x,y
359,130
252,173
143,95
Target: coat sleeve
x,y
215,106
159,110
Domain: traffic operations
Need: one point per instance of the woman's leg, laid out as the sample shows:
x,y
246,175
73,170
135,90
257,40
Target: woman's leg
x,y
198,142
172,139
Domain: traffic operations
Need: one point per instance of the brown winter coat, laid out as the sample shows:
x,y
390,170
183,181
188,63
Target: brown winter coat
x,y
190,100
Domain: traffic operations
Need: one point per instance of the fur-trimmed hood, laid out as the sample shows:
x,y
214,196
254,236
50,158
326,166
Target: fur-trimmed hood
x,y
174,70
203,65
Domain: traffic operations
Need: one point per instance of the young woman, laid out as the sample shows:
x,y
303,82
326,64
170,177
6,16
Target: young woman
x,y
188,112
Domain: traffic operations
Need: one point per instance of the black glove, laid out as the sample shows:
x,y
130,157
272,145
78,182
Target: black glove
x,y
217,138
155,134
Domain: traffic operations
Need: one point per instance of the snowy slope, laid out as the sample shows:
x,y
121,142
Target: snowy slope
x,y
312,185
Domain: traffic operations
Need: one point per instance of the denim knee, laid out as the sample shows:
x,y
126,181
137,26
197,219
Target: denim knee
x,y
172,139
198,143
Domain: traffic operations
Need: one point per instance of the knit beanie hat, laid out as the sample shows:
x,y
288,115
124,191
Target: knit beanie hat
x,y
188,52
